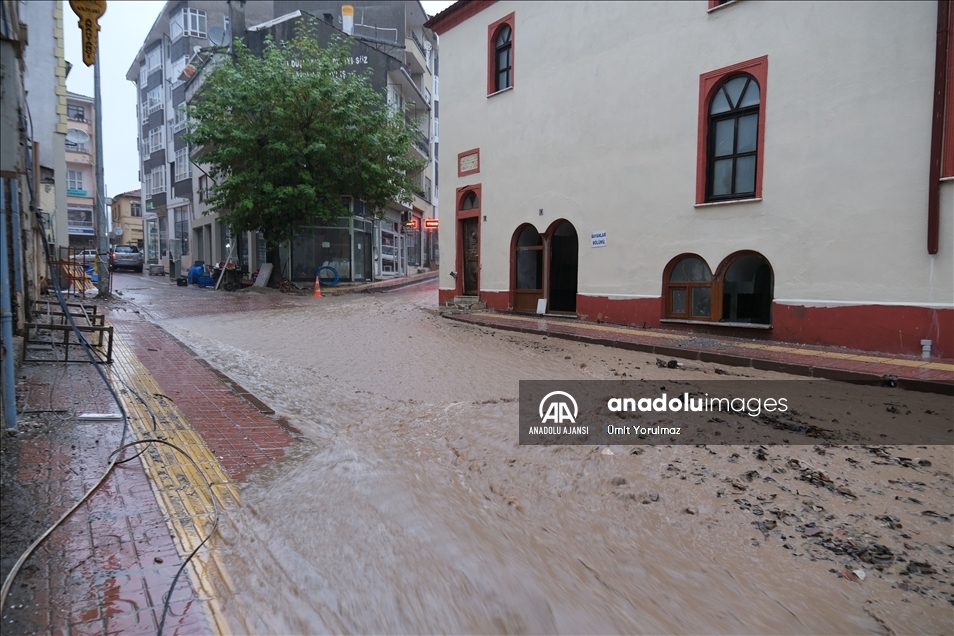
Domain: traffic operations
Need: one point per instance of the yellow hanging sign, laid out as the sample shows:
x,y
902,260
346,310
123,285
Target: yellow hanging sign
x,y
89,12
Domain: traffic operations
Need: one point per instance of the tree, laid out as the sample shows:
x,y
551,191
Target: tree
x,y
288,134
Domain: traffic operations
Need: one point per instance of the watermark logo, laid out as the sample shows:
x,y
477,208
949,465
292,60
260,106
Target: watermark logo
x,y
557,411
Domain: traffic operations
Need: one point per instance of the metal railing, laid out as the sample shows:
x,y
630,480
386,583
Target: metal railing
x,y
420,46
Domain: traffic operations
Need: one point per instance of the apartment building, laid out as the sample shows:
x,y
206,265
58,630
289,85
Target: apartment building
x,y
80,171
126,217
179,227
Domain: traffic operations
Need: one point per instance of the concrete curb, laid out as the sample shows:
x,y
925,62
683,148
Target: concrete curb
x,y
689,353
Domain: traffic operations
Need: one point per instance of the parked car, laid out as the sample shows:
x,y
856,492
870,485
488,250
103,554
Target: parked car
x,y
128,256
88,257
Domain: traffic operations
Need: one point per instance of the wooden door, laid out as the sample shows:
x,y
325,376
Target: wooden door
x,y
471,256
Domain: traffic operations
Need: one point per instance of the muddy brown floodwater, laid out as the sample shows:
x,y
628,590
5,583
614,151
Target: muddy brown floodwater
x,y
410,507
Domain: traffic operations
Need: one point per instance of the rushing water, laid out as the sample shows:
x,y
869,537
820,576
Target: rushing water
x,y
410,508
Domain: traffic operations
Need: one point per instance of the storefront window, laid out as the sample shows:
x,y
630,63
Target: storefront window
x,y
414,246
152,234
321,247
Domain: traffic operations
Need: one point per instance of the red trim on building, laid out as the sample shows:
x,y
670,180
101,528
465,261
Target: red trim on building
x,y
462,215
708,82
444,295
492,52
634,312
881,328
456,14
461,193
464,154
496,300
948,168
875,328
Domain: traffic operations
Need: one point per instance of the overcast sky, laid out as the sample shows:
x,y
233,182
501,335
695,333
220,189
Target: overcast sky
x,y
124,27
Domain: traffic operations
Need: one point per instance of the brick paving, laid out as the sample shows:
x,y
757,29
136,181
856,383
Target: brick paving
x,y
935,375
108,568
236,430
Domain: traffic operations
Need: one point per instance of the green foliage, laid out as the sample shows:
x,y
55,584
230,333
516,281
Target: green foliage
x,y
286,135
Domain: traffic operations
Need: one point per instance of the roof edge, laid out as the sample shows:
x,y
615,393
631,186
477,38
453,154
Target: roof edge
x,y
455,14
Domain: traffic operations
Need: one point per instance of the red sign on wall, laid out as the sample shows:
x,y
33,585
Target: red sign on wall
x,y
430,224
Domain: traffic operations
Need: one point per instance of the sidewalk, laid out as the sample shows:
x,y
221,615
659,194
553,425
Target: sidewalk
x,y
846,365
109,567
382,285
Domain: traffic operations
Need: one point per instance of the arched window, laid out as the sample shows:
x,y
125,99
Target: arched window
x,y
689,289
747,289
733,139
470,201
503,58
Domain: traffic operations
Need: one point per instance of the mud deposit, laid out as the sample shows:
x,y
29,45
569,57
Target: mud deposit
x,y
410,508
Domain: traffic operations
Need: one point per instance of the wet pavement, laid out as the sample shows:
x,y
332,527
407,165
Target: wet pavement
x,y
363,456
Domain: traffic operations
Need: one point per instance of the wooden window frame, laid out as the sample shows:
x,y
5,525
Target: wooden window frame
x,y
688,286
709,83
492,31
734,114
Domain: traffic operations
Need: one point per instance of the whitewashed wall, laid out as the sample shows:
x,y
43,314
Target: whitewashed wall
x,y
601,129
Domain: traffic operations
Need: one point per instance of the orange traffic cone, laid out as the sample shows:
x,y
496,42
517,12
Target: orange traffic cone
x,y
317,287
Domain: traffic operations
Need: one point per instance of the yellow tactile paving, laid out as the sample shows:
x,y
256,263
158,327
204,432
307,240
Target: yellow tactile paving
x,y
833,355
180,489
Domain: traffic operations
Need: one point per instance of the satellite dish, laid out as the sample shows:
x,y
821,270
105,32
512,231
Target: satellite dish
x,y
218,36
77,136
427,45
117,231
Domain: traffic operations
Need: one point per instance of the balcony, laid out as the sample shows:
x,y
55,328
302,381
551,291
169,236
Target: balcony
x,y
422,143
415,57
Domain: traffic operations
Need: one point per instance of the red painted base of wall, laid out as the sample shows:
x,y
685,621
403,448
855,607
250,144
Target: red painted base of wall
x,y
876,328
637,312
443,295
869,327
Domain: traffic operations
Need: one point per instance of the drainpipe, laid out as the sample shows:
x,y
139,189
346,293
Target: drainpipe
x,y
6,320
17,257
937,123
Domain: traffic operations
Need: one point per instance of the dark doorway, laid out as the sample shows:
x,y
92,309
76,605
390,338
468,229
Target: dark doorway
x,y
470,253
564,260
747,291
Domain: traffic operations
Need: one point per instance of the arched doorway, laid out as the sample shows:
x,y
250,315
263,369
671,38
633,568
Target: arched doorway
x,y
562,268
527,248
468,214
748,285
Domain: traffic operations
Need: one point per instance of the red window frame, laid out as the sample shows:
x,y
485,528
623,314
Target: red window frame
x,y
492,53
708,83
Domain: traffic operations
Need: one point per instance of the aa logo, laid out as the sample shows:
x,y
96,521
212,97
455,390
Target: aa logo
x,y
555,407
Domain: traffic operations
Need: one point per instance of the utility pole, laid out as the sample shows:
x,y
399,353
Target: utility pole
x,y
102,236
89,12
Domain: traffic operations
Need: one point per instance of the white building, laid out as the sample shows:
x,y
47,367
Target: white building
x,y
756,169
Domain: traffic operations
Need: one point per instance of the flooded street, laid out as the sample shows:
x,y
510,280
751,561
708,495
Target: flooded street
x,y
409,507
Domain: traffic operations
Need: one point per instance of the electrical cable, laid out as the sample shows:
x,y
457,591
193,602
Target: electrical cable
x,y
96,360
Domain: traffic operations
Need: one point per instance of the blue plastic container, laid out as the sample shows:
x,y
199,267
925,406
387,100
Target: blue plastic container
x,y
205,281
